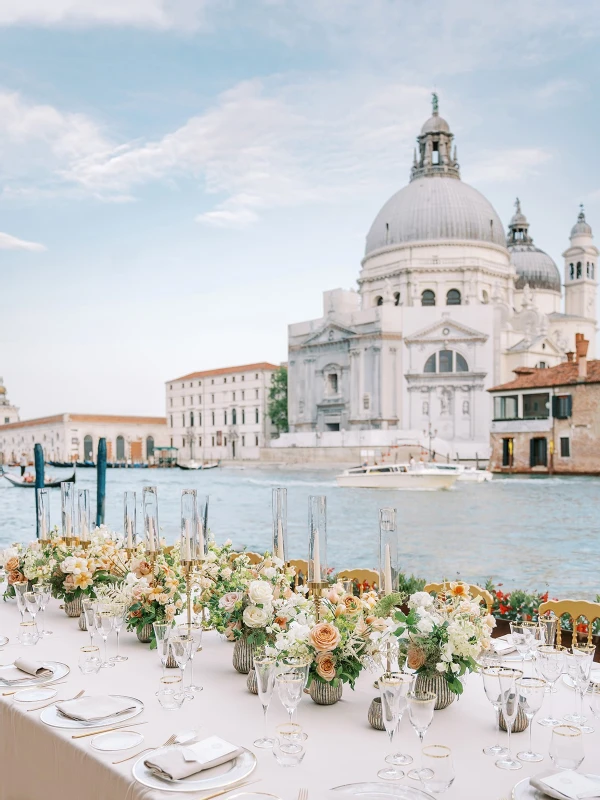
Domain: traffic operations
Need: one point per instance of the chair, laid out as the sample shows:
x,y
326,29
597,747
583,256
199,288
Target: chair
x,y
575,609
301,567
254,558
474,591
363,577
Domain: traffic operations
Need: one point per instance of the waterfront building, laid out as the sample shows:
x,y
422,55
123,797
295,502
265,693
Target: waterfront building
x,y
447,305
74,437
8,412
548,420
220,413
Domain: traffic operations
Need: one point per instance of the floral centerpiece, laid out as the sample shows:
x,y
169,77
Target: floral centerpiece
x,y
77,570
155,590
441,639
34,563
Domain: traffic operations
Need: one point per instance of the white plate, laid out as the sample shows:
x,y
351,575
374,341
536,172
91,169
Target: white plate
x,y
59,670
515,657
3,640
594,678
253,796
216,778
35,695
525,791
116,740
50,716
380,791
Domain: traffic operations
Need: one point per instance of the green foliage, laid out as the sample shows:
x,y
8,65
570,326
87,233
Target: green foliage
x,y
278,400
386,604
410,584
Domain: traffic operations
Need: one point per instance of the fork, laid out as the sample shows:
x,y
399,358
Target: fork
x,y
77,696
170,740
303,794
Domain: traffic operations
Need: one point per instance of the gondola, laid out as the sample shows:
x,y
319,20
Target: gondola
x,y
48,484
197,465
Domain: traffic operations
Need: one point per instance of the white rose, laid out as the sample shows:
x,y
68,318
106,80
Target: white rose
x,y
210,556
425,625
269,572
255,617
420,600
260,592
440,666
226,573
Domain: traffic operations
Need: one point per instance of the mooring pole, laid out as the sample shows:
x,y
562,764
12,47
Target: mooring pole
x,y
38,457
101,482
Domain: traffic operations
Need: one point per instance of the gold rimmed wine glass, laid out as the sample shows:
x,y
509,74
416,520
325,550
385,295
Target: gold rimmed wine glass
x,y
421,706
531,698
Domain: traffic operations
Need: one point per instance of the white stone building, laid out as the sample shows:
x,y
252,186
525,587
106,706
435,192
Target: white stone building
x,y
220,413
447,306
74,437
8,412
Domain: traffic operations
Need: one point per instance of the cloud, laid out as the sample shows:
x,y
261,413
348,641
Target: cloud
x,y
8,242
512,164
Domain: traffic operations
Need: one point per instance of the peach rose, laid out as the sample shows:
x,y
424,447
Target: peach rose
x,y
324,636
12,564
415,658
325,666
15,577
143,568
377,623
352,604
333,597
69,583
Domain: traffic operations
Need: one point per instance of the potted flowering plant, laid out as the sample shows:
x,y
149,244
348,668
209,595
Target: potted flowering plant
x,y
156,591
442,639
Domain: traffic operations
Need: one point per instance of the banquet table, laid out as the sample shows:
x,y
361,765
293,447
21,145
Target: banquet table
x,y
38,762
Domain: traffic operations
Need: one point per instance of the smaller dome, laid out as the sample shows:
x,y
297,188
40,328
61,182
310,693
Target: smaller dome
x,y
535,268
581,227
518,220
435,124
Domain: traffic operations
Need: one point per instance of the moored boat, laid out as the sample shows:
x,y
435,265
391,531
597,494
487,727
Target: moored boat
x,y
49,483
396,476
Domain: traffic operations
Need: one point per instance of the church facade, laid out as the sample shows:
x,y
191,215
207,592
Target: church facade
x,y
447,305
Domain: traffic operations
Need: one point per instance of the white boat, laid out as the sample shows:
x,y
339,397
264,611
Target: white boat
x,y
198,465
463,473
396,476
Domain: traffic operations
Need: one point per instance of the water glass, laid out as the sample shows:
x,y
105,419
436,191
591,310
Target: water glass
x,y
265,670
551,664
509,697
531,698
393,689
288,745
28,634
170,692
566,747
420,713
89,659
44,590
119,613
290,686
492,692
437,760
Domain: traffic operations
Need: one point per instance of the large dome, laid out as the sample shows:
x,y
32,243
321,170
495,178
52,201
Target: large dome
x,y
534,267
435,208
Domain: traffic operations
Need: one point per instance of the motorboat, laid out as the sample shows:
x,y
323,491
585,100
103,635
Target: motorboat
x,y
396,476
463,473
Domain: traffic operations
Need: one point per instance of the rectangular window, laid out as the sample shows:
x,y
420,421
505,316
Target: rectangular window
x,y
199,441
183,442
213,417
224,441
256,441
183,420
243,441
243,416
200,399
233,379
243,394
213,440
565,447
505,407
507,452
219,438
225,417
212,398
256,417
538,452
171,420
224,380
445,361
191,419
233,395
200,418
562,406
257,394
183,401
536,406
332,383
243,377
171,401
256,376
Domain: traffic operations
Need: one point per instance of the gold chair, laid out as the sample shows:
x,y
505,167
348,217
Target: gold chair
x,y
301,567
473,589
254,558
369,577
575,609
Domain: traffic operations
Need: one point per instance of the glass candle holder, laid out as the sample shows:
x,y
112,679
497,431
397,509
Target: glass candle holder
x,y
67,500
189,542
279,503
388,551
317,539
130,520
84,515
202,517
150,507
43,513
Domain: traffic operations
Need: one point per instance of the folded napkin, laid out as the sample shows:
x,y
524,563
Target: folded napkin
x,y
567,785
503,645
177,763
94,709
23,670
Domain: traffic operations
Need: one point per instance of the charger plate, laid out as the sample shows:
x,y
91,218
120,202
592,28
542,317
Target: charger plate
x,y
51,717
523,790
380,791
594,678
216,778
59,670
3,640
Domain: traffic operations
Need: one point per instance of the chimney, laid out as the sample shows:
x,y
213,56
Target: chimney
x,y
581,346
570,356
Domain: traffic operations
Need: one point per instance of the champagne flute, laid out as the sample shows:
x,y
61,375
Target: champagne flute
x,y
551,663
44,591
20,588
509,697
492,692
89,611
119,613
595,700
181,647
420,713
392,689
302,667
566,747
401,759
582,658
521,638
161,634
265,669
193,629
531,698
104,622
32,603
290,686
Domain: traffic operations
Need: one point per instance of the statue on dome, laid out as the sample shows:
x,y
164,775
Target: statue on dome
x,y
434,102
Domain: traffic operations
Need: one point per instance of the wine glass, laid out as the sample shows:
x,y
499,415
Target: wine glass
x,y
119,613
290,686
393,690
531,698
437,759
89,611
551,663
582,658
181,647
44,590
193,629
32,603
521,635
20,588
492,692
265,670
89,659
420,713
161,634
566,747
104,622
595,700
509,697
302,667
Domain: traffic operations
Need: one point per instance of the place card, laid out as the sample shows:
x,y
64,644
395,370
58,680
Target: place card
x,y
573,785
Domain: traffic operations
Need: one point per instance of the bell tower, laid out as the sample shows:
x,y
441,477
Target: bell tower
x,y
436,155
581,271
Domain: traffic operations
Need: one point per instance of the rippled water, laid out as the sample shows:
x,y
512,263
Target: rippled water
x,y
531,533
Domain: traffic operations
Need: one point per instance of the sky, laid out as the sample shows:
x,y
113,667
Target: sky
x,y
182,179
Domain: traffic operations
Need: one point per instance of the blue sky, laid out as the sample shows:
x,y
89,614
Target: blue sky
x,y
180,179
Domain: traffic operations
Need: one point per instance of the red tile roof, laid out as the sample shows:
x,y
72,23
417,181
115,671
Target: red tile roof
x,y
102,418
561,375
212,373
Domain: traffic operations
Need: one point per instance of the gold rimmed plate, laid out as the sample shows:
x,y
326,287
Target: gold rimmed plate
x,y
50,716
373,790
216,778
59,671
523,790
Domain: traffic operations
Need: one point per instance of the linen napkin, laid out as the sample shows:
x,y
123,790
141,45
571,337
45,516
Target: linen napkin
x,y
94,709
23,670
177,763
566,785
503,645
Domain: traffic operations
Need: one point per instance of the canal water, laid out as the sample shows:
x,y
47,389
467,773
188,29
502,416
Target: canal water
x,y
524,532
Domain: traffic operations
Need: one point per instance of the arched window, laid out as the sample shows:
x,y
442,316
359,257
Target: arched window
x,y
485,298
453,298
428,298
579,269
379,300
88,448
461,364
233,416
191,419
149,446
430,365
446,361
587,269
592,270
396,298
120,448
571,271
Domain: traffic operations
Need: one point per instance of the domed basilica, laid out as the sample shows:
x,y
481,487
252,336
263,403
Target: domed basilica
x,y
448,304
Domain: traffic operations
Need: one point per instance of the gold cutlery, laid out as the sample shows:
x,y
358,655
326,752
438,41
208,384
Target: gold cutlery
x,y
37,686
170,740
66,700
303,794
230,789
106,730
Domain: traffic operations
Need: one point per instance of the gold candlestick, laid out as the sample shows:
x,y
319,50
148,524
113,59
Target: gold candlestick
x,y
316,592
189,566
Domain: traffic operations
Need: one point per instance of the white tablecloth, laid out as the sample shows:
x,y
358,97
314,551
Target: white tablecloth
x,y
42,763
